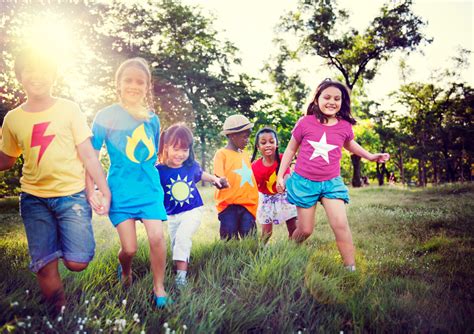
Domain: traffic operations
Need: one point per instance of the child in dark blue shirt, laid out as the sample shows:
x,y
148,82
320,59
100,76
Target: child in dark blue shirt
x,y
179,173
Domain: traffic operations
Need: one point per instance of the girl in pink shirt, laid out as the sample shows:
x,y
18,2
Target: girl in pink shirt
x,y
320,136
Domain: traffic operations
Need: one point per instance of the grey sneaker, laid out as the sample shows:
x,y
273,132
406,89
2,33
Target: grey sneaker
x,y
181,282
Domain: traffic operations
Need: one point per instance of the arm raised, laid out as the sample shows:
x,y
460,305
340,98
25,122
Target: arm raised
x,y
356,149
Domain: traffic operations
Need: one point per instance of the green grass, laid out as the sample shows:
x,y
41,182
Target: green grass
x,y
414,258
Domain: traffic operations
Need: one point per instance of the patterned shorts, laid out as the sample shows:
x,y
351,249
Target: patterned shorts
x,y
274,209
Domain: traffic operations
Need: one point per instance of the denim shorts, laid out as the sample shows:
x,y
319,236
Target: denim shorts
x,y
305,193
236,221
57,227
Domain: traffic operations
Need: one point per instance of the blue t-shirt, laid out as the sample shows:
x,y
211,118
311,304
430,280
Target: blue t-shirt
x,y
132,146
179,185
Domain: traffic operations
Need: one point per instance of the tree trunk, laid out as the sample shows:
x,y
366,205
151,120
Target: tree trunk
x,y
402,168
356,182
425,180
421,173
385,172
380,173
469,174
435,171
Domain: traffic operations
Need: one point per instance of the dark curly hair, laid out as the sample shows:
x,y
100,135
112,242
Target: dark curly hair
x,y
344,113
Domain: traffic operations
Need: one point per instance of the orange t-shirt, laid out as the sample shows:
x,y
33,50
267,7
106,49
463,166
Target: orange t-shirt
x,y
242,190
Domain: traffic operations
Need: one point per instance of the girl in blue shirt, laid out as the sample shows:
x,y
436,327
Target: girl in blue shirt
x,y
130,130
179,173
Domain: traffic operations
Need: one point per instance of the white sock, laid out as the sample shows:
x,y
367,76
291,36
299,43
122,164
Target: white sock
x,y
350,267
181,275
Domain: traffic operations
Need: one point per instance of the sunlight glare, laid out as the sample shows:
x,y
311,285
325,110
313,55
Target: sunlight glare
x,y
48,33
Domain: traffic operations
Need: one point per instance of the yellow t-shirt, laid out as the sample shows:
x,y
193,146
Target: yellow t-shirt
x,y
48,140
235,166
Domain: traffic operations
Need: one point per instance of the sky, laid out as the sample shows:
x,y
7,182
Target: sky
x,y
250,24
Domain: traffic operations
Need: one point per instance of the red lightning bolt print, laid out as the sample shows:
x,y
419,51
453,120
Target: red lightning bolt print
x,y
39,139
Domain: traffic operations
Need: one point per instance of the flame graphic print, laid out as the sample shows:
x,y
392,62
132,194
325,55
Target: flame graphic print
x,y
271,181
139,134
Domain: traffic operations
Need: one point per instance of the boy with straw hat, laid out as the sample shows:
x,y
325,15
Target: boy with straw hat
x,y
237,204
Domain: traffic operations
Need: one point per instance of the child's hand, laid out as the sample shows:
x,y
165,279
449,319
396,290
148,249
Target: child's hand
x,y
380,157
105,205
220,182
280,186
96,200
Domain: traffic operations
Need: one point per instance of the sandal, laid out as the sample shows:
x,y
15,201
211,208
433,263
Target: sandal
x,y
125,282
162,301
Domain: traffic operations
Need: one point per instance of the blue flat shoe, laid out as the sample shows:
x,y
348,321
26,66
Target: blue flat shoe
x,y
119,272
162,301
125,282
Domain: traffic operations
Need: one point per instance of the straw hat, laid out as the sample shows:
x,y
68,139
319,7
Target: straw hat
x,y
236,123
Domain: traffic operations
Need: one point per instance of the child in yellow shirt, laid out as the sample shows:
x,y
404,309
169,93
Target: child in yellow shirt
x,y
54,138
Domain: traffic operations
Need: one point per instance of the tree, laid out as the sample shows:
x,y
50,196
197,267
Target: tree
x,y
439,127
282,110
356,55
190,64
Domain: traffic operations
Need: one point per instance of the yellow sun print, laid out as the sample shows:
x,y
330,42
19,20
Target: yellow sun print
x,y
180,190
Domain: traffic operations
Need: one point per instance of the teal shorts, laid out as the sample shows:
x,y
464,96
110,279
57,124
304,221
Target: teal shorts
x,y
305,193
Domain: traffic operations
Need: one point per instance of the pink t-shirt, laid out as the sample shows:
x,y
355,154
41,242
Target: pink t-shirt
x,y
319,158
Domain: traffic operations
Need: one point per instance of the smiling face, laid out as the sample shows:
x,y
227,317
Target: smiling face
x,y
329,101
37,81
267,144
133,86
239,139
177,156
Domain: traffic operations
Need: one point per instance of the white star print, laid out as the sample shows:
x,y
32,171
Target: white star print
x,y
321,148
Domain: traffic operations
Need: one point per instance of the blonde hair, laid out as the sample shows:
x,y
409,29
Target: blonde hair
x,y
141,64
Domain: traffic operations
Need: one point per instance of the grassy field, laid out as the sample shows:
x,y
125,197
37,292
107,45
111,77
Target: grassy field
x,y
415,274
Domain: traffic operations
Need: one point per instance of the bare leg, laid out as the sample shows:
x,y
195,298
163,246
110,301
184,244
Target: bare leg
x,y
305,225
266,232
128,242
154,230
336,212
51,285
181,265
75,266
291,226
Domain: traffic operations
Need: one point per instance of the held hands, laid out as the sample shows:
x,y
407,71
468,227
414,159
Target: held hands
x,y
220,182
99,203
280,186
380,157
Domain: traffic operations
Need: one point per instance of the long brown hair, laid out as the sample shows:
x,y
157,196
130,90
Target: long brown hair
x,y
344,113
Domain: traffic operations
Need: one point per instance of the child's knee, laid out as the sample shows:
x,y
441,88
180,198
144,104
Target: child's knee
x,y
184,240
306,231
75,266
128,252
156,240
340,225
